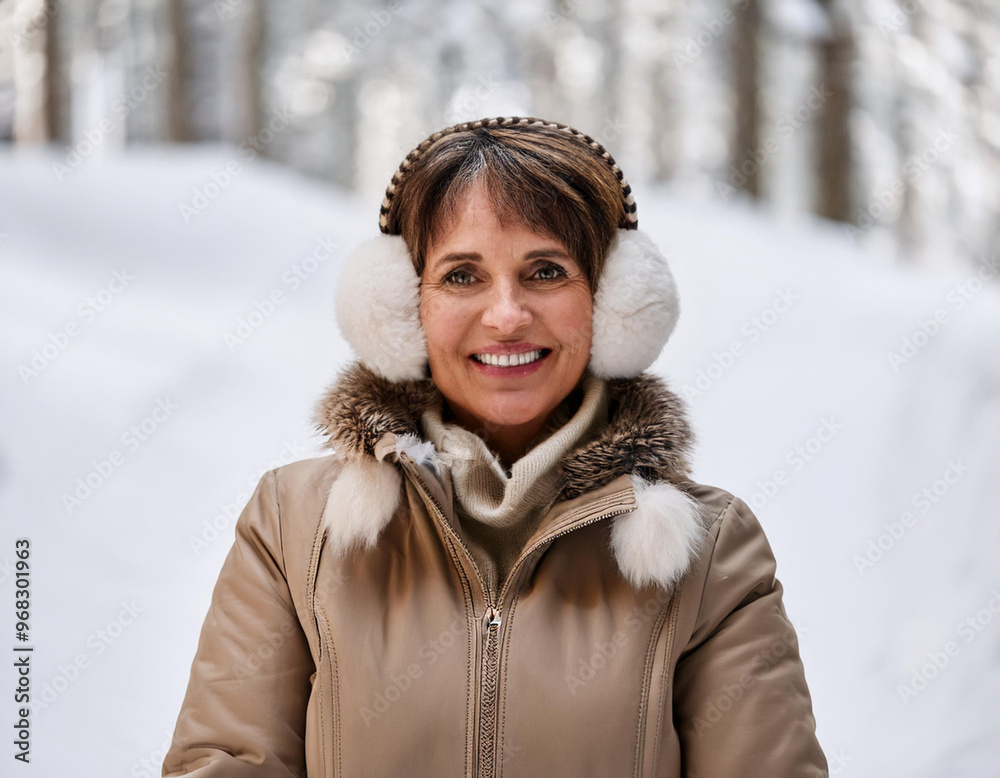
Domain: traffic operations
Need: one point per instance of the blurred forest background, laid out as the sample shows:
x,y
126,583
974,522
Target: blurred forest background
x,y
883,116
840,155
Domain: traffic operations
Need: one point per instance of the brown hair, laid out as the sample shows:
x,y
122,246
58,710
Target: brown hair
x,y
543,175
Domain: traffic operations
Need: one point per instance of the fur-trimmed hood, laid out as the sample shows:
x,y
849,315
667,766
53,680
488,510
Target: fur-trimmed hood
x,y
648,437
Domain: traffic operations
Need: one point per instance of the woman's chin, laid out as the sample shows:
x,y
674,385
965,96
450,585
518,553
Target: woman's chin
x,y
501,409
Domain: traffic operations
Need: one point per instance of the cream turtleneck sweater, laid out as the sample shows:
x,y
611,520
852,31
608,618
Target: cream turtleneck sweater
x,y
499,511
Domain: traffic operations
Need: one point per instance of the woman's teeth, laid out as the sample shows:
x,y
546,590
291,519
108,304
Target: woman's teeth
x,y
508,360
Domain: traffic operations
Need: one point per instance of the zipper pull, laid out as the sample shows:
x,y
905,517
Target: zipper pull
x,y
494,616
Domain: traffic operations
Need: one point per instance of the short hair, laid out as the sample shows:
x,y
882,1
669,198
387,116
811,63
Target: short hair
x,y
536,175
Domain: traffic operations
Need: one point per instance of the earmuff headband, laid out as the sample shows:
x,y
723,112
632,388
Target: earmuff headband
x,y
629,221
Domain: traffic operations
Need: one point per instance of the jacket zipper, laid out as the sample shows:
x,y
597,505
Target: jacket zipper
x,y
492,635
489,685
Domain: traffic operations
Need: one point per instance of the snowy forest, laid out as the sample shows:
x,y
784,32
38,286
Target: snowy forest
x,y
881,115
180,180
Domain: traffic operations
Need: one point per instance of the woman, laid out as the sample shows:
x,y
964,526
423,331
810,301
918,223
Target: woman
x,y
504,567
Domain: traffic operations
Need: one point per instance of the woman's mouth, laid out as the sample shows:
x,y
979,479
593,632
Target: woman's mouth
x,y
510,364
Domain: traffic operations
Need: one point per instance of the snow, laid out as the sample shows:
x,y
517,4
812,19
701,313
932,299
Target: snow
x,y
787,326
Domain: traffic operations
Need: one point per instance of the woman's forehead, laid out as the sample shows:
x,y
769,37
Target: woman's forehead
x,y
478,244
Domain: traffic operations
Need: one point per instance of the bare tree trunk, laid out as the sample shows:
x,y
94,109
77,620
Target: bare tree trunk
x,y
30,88
541,73
833,123
664,106
609,106
909,136
54,93
984,97
746,63
249,120
178,127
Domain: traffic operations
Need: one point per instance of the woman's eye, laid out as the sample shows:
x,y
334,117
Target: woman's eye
x,y
557,271
455,276
460,277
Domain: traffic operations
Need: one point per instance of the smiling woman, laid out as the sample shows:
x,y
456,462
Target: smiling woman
x,y
504,567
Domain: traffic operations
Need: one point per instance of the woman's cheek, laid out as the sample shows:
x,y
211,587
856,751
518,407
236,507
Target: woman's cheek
x,y
441,318
575,319
578,341
429,311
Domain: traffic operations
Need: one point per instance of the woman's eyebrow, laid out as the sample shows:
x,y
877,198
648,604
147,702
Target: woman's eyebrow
x,y
552,252
473,256
459,256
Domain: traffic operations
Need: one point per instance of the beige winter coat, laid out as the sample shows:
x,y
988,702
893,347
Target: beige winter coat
x,y
641,632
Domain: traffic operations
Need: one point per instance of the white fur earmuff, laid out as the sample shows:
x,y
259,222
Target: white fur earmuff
x,y
378,308
635,309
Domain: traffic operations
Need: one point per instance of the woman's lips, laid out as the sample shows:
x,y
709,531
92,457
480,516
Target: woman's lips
x,y
511,371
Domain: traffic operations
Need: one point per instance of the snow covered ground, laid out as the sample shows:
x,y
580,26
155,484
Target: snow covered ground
x,y
125,367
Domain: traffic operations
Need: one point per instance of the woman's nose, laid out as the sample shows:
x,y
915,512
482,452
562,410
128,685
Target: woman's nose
x,y
506,307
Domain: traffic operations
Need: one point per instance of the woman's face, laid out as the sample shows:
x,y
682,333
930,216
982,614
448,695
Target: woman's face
x,y
491,291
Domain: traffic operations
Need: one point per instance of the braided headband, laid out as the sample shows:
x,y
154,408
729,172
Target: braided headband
x,y
635,308
630,221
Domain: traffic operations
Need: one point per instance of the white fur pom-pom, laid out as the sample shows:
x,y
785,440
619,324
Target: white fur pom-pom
x,y
655,543
635,309
362,500
378,308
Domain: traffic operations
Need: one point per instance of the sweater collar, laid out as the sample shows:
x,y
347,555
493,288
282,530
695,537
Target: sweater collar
x,y
648,433
489,494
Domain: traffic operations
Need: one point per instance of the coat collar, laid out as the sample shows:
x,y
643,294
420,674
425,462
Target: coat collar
x,y
648,438
647,433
